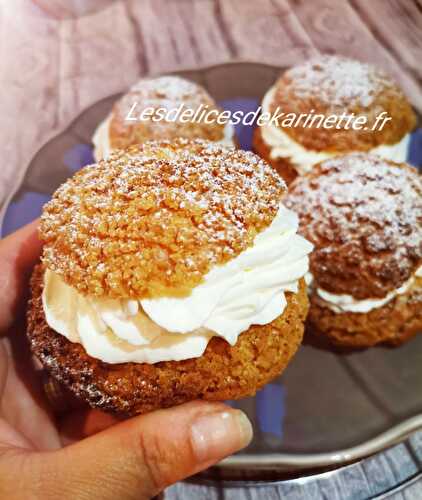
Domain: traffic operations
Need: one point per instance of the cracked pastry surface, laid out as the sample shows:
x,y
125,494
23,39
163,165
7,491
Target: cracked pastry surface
x,y
333,86
123,126
364,216
187,205
393,323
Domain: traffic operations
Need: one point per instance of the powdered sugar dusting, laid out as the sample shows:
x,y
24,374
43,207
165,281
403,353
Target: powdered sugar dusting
x,y
337,81
167,93
366,211
157,216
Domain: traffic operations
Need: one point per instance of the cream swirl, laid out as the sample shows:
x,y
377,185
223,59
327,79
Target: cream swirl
x,y
101,138
283,146
340,303
245,291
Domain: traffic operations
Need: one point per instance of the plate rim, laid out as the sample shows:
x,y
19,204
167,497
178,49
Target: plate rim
x,y
345,456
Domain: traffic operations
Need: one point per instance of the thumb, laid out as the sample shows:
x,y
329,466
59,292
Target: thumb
x,y
138,458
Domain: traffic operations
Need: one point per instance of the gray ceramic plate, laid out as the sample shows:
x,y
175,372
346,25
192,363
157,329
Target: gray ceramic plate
x,y
327,409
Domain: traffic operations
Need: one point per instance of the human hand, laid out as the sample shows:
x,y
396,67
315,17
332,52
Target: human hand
x,y
88,454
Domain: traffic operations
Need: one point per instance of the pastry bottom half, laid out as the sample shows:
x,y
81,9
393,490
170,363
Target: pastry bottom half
x,y
391,324
282,165
222,372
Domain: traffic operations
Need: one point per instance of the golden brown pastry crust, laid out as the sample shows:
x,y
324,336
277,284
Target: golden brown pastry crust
x,y
282,165
223,372
331,85
392,324
168,92
364,216
152,220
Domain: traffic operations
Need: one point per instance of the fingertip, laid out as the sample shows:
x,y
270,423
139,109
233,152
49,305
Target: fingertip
x,y
219,434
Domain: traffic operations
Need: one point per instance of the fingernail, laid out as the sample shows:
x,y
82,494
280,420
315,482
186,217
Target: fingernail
x,y
217,435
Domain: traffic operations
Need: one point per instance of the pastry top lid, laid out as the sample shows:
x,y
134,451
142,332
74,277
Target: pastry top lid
x,y
364,216
168,93
151,221
332,85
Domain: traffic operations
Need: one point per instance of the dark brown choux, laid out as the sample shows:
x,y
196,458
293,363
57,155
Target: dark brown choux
x,y
364,216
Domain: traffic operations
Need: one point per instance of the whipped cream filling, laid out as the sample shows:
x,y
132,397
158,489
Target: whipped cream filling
x,y
283,146
101,138
248,290
340,303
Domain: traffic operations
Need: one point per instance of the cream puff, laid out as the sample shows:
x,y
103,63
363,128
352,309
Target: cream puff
x,y
170,272
166,107
364,216
371,114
